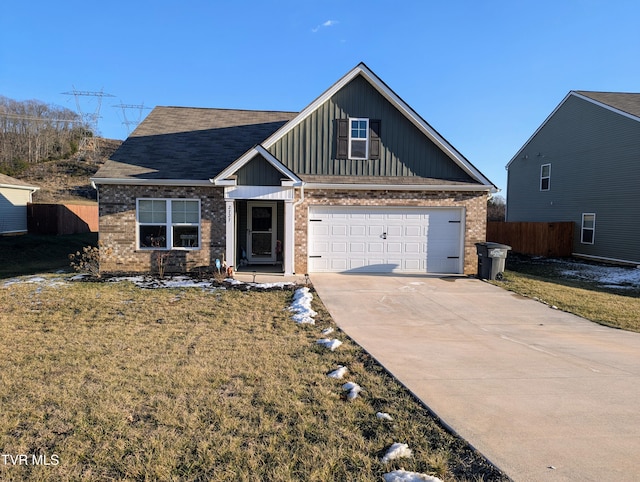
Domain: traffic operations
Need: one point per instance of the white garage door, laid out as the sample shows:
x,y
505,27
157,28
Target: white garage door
x,y
383,240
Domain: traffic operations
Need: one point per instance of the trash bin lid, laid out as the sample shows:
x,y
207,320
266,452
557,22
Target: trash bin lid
x,y
492,245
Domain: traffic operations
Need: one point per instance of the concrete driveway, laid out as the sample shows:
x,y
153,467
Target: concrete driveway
x,y
544,395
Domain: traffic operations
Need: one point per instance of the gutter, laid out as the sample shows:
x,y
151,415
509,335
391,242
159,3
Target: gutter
x,y
404,187
150,182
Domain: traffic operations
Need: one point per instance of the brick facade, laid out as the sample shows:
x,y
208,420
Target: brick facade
x,y
474,204
118,222
117,227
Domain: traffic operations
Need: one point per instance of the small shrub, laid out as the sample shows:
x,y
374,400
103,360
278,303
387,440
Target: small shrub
x,y
160,258
88,260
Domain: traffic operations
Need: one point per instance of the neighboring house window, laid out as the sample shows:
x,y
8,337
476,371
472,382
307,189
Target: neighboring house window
x,y
588,228
168,223
545,177
358,138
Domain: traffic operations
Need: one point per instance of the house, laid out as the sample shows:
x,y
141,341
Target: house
x,y
356,181
14,197
583,165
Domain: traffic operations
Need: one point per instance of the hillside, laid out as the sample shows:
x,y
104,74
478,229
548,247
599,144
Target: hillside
x,y
67,180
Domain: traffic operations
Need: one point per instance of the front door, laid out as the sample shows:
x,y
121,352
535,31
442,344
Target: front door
x,y
261,232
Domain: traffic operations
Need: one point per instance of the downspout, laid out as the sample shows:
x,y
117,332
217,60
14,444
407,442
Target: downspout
x,y
298,202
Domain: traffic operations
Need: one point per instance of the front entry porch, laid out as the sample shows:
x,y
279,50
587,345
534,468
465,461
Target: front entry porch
x,y
259,228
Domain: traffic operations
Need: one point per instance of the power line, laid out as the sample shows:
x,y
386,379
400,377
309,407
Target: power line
x,y
128,121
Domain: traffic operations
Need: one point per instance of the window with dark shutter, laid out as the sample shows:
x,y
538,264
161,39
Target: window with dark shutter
x,y
342,145
358,138
374,139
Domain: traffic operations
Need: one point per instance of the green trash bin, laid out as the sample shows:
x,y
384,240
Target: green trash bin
x,y
491,260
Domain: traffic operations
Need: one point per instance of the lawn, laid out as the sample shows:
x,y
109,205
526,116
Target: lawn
x,y
32,254
577,287
109,381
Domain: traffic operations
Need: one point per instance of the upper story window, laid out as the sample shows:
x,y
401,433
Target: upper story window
x,y
588,228
358,138
168,223
545,177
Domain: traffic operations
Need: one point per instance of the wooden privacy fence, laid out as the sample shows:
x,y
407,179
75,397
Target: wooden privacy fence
x,y
62,218
537,239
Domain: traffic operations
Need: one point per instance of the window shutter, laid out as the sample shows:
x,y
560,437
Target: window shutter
x,y
374,135
342,139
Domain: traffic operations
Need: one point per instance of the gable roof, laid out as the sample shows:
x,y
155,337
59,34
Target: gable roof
x,y
188,144
12,182
623,103
191,146
364,71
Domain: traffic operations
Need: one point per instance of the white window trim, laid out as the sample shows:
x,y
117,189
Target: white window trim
x,y
593,229
545,177
168,225
366,139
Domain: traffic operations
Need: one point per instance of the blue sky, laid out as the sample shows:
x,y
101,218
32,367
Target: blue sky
x,y
485,74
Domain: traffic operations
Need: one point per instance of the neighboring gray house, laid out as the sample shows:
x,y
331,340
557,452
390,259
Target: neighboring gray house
x,y
356,181
14,196
583,165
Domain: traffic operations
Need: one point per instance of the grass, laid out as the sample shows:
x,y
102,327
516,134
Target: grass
x,y
34,254
611,306
121,383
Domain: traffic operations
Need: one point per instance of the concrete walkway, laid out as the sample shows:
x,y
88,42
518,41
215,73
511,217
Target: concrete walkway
x,y
544,395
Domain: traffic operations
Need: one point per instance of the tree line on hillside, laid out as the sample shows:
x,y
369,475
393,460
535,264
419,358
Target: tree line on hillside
x,y
32,131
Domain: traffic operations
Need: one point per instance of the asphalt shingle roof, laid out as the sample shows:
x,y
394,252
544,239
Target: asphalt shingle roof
x,y
190,143
12,181
625,102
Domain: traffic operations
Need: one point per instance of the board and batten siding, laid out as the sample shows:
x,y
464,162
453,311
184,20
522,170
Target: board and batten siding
x,y
595,168
309,148
258,172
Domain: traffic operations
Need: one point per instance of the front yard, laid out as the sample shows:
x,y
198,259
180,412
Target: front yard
x,y
109,381
606,294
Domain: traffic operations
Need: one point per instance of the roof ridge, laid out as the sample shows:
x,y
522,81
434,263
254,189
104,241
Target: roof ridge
x,y
226,109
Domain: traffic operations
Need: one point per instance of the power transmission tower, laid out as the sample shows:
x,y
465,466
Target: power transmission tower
x,y
128,121
88,142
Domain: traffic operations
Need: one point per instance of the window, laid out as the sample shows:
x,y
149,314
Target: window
x,y
588,228
358,138
545,177
168,223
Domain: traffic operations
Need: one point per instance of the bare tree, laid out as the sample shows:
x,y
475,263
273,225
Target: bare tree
x,y
32,131
496,208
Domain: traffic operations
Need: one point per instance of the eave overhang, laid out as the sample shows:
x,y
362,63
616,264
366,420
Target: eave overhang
x,y
150,182
403,187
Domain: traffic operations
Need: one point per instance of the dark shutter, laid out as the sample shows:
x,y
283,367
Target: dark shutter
x,y
374,135
342,139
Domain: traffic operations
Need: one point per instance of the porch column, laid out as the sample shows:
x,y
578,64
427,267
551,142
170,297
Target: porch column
x,y
230,217
289,237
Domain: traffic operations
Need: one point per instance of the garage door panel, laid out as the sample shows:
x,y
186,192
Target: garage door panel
x,y
413,248
381,239
319,229
339,247
416,231
339,230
